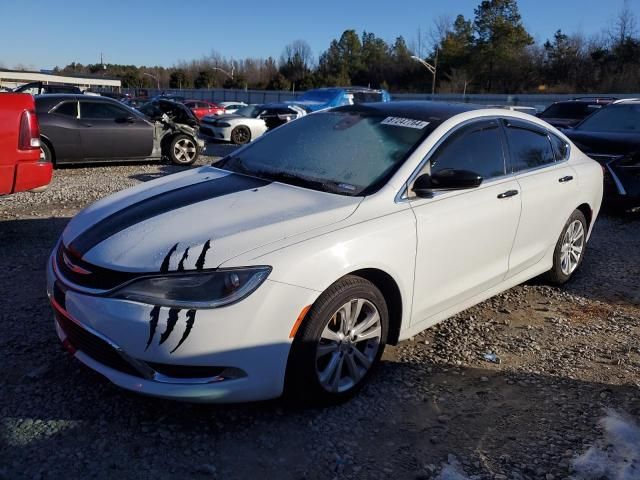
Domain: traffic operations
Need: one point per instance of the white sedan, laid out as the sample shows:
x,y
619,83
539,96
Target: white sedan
x,y
250,122
288,265
231,107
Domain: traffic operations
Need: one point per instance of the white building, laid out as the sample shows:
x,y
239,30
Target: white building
x,y
15,78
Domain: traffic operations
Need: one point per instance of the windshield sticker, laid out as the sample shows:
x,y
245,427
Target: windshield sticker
x,y
404,122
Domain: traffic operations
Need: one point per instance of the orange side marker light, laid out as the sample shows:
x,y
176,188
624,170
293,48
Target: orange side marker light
x,y
303,313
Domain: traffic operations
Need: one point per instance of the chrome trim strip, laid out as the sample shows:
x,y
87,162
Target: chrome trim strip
x,y
402,196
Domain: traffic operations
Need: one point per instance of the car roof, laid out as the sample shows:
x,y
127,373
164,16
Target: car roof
x,y
48,100
417,109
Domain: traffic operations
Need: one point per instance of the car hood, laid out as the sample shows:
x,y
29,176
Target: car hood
x,y
611,143
215,118
197,219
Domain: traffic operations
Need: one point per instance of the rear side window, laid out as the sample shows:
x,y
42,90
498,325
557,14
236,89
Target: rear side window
x,y
100,110
530,148
477,148
69,109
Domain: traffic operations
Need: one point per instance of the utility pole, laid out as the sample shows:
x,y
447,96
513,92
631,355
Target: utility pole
x,y
432,68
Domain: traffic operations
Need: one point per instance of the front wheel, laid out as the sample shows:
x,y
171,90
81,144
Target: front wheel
x,y
183,150
241,135
569,251
339,343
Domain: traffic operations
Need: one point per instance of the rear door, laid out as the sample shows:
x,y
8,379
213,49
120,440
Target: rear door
x,y
109,131
548,189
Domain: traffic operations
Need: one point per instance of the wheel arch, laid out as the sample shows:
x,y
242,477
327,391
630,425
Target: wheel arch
x,y
49,144
391,292
587,211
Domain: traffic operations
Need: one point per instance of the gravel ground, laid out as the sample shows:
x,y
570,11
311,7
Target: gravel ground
x,y
537,383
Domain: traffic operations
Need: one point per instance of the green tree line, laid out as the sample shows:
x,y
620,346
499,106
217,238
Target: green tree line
x,y
489,53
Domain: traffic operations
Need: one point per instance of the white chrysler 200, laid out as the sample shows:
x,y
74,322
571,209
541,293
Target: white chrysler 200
x,y
288,265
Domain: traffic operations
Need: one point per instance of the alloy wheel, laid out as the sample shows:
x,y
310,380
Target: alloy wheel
x,y
572,246
184,150
348,345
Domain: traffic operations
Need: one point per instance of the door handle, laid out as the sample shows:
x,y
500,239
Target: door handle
x,y
508,193
568,178
88,124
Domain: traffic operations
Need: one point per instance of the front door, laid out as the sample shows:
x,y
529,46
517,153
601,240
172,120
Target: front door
x,y
109,131
465,236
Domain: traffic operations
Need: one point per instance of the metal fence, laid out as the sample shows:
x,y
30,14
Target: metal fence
x,y
539,101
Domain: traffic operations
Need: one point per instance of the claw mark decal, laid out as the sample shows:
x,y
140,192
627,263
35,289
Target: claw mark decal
x,y
153,324
191,318
164,268
171,323
203,255
172,318
185,255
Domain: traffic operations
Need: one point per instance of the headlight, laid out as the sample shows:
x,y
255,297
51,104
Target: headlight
x,y
222,124
195,290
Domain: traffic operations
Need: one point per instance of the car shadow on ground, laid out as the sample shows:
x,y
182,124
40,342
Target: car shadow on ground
x,y
58,415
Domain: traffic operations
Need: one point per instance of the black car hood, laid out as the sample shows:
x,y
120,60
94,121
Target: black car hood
x,y
609,143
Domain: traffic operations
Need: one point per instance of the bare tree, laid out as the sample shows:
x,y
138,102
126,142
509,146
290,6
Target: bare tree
x,y
625,24
441,27
298,50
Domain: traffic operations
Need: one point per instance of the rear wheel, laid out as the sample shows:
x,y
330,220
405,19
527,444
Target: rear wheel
x,y
241,135
569,251
183,150
45,153
339,343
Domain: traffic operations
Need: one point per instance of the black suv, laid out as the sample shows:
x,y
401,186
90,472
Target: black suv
x,y
570,112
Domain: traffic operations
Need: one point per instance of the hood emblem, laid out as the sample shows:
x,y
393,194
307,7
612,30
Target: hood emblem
x,y
73,267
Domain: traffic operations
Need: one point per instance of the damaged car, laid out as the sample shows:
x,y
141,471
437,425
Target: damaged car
x,y
88,129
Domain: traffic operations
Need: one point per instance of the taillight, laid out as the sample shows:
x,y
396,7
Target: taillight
x,y
29,137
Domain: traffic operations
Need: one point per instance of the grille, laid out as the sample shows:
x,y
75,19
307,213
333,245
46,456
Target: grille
x,y
93,346
96,277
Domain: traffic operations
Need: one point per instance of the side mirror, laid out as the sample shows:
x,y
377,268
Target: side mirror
x,y
448,179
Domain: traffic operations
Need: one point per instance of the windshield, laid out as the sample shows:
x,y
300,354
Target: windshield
x,y
322,96
344,152
573,111
615,118
250,111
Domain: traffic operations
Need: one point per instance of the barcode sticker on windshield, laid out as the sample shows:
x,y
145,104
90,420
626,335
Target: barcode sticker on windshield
x,y
404,122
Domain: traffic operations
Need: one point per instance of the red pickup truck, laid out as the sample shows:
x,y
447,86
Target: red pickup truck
x,y
21,165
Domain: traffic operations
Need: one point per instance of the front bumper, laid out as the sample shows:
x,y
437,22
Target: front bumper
x,y
219,133
242,349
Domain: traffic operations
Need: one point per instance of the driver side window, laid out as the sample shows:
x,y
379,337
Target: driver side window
x,y
477,147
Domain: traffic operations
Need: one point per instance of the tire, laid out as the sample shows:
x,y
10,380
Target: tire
x,y
320,344
45,152
241,135
571,244
183,150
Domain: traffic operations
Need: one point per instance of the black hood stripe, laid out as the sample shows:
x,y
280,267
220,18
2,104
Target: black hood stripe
x,y
159,204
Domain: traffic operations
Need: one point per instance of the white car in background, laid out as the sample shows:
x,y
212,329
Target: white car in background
x,y
290,264
250,122
231,107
